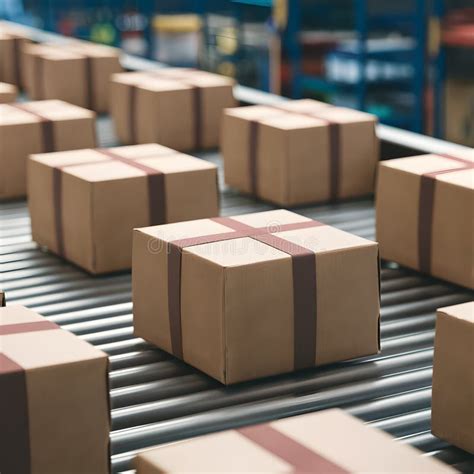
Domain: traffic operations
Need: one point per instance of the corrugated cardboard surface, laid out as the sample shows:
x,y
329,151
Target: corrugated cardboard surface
x,y
397,201
293,151
237,296
8,93
8,57
103,200
453,376
164,107
67,392
339,438
21,135
59,72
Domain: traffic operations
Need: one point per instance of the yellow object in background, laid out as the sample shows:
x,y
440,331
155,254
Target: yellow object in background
x,y
280,14
177,39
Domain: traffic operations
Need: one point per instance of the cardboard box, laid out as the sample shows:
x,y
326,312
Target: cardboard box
x,y
38,127
328,441
256,295
2,298
54,400
452,409
301,152
178,108
12,41
424,210
8,93
76,72
85,203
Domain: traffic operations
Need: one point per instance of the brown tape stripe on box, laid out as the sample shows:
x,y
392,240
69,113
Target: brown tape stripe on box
x,y
301,458
89,82
156,191
196,107
16,59
47,128
304,282
38,66
426,210
334,151
14,405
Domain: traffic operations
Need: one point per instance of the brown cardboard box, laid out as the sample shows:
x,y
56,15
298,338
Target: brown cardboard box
x,y
2,298
329,441
54,400
8,93
459,111
452,406
75,72
12,41
424,214
256,295
303,151
85,203
178,108
38,127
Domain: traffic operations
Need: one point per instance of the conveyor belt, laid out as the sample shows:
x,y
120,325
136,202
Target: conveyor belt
x,y
158,399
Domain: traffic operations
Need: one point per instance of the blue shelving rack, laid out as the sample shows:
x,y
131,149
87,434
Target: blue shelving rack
x,y
412,23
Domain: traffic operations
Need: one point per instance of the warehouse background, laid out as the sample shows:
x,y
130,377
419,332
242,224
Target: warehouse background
x,y
411,62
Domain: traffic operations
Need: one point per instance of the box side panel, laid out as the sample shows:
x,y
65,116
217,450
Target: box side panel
x,y
69,402
259,320
16,143
359,157
119,205
308,164
202,320
76,212
175,114
103,68
453,234
150,290
74,134
215,100
41,203
272,156
65,80
453,382
396,210
347,304
119,108
191,195
235,134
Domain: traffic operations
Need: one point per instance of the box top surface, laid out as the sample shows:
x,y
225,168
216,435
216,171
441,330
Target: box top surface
x,y
343,115
171,79
330,436
195,77
464,311
293,122
13,29
5,87
254,112
431,163
32,346
93,166
71,50
306,108
49,109
245,250
303,105
51,52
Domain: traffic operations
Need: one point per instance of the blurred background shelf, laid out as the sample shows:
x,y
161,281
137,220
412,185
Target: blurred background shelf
x,y
411,62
